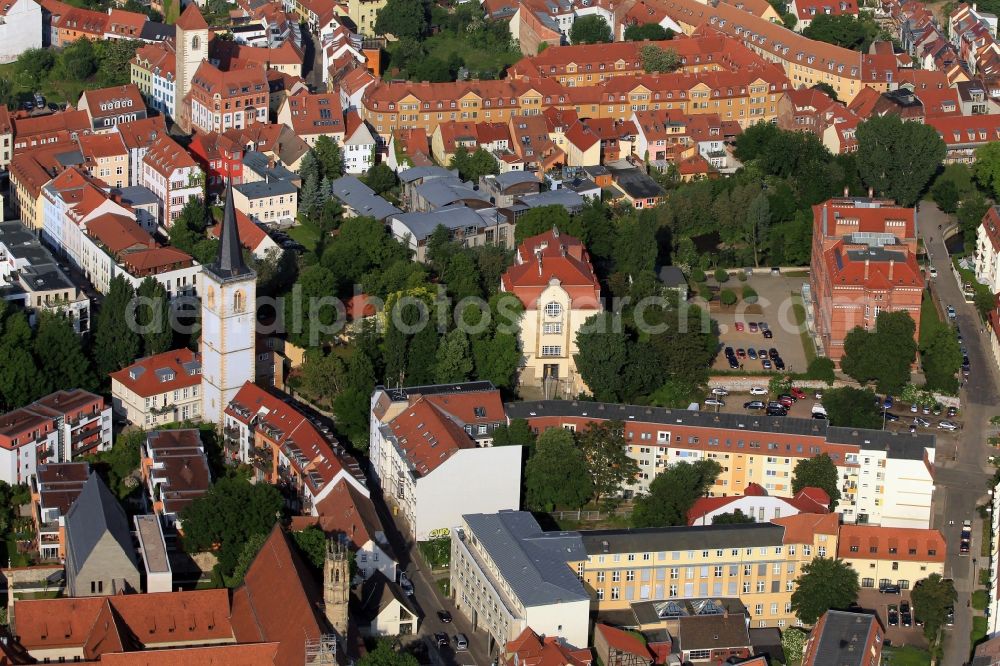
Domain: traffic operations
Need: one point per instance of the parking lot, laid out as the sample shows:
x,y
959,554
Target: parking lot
x,y
874,600
774,307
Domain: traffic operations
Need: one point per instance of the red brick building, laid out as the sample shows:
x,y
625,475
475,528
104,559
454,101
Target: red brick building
x,y
220,157
863,263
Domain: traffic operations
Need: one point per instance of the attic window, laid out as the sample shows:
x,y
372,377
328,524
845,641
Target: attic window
x,y
480,412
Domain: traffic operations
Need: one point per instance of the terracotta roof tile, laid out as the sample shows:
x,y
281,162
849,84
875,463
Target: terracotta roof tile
x,y
890,543
161,373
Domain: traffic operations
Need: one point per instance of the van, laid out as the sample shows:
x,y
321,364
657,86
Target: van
x,y
461,642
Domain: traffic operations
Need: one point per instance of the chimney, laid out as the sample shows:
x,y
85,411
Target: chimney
x,y
539,264
871,192
866,268
892,264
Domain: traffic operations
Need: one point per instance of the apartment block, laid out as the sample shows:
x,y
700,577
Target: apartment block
x,y
892,556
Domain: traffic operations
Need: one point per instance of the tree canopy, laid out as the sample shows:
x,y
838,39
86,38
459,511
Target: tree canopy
x,y
590,29
818,472
471,166
116,344
402,19
850,407
883,355
736,517
659,60
824,583
898,158
638,32
604,448
844,30
673,492
385,655
933,598
557,474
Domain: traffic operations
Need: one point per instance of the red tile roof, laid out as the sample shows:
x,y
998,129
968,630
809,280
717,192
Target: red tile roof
x,y
115,97
251,235
807,500
553,255
166,156
803,527
991,225
534,650
102,145
315,114
254,654
141,377
810,9
890,543
191,19
346,510
142,133
118,233
623,641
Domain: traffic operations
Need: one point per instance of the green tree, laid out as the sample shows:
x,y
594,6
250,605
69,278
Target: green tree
x,y
402,19
246,557
821,368
119,466
189,227
793,642
116,344
312,543
232,511
827,89
60,354
736,517
539,220
673,492
384,654
659,60
933,598
473,165
817,472
727,297
454,358
113,57
987,166
756,226
941,359
152,314
883,355
517,433
20,381
604,448
557,474
602,354
496,358
850,407
843,30
824,583
323,375
380,178
329,158
897,158
79,59
970,216
591,29
638,32
35,64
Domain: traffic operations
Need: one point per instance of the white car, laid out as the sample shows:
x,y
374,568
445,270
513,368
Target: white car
x,y
715,402
720,391
923,423
818,408
948,425
758,390
933,272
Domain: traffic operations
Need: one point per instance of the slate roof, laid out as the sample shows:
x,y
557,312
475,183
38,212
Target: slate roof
x,y
533,562
422,225
96,512
441,192
842,639
656,539
568,199
420,172
358,196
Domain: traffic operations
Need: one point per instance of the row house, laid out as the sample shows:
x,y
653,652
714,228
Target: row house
x,y
275,141
106,107
139,136
891,555
57,428
284,447
987,255
805,11
221,159
29,173
267,201
963,135
105,158
235,99
69,24
35,131
54,488
864,262
174,468
158,390
428,441
172,175
314,115
360,144
154,71
6,137
885,477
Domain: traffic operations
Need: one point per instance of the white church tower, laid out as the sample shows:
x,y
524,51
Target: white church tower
x,y
228,320
191,46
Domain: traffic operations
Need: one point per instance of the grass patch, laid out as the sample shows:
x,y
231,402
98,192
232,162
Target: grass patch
x,y
306,235
799,313
906,656
444,585
979,625
930,319
48,594
980,599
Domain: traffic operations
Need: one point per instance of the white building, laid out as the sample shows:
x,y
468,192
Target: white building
x,y
228,321
895,484
359,144
507,574
430,451
756,503
170,173
988,250
20,28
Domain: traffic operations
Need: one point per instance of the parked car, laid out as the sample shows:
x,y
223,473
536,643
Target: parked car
x,y
923,423
461,642
788,396
766,364
762,353
893,615
798,393
914,408
904,615
729,351
777,411
952,412
441,638
715,402
772,353
887,403
733,363
951,312
950,618
925,409
720,391
753,404
758,390
818,408
948,425
741,353
889,416
818,395
752,353
768,335
405,584
753,327
933,272
39,100
779,364
444,616
963,549
763,326
889,588
739,326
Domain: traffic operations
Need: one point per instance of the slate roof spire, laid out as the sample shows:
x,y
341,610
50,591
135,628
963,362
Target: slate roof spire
x,y
229,262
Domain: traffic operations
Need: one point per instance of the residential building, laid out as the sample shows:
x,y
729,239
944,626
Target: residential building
x,y
962,135
100,557
358,199
554,279
864,262
505,188
158,575
891,556
70,23
615,647
138,137
531,649
224,100
175,470
509,576
468,227
59,427
383,609
172,175
106,107
221,159
842,637
267,201
987,254
266,432
35,131
6,137
637,188
252,237
758,505
54,488
154,71
426,442
144,204
359,144
29,275
713,639
258,166
805,11
886,478
105,157
20,29
314,115
159,389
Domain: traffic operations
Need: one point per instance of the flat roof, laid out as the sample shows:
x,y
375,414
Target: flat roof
x,y
685,537
153,547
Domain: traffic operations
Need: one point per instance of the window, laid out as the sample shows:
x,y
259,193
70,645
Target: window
x,y
600,576
694,655
551,350
615,593
616,576
630,575
553,309
551,328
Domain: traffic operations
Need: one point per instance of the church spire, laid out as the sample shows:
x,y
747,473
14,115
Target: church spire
x,y
229,263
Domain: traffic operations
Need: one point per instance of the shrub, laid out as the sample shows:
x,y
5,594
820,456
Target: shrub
x,y
741,276
705,292
728,297
749,295
698,275
821,368
721,275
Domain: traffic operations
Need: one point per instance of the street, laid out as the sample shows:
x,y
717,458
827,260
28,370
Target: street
x,y
962,483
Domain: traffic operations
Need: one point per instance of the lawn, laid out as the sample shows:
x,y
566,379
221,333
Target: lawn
x,y
980,599
305,234
930,319
906,656
61,90
979,625
799,313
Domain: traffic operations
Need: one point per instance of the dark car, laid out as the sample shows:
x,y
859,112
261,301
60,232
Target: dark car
x,y
952,412
904,614
777,411
766,364
729,351
820,415
889,416
733,363
963,549
772,353
779,364
441,638
768,335
889,589
950,618
753,404
444,616
893,615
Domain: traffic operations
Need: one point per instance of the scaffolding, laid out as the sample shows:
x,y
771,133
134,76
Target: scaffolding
x,y
321,651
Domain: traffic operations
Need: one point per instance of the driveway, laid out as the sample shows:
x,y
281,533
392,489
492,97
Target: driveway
x,y
898,634
962,481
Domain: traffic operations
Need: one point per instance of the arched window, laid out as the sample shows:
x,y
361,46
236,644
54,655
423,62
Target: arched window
x,y
239,301
553,309
195,43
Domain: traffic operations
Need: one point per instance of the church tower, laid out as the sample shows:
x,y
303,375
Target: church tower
x,y
228,320
191,47
336,586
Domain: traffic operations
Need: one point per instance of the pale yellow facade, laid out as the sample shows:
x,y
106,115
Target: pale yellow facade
x,y
874,572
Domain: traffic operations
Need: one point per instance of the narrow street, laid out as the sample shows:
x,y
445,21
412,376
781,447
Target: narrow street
x,y
962,483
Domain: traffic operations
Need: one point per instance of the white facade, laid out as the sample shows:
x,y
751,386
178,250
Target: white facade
x,y
19,464
227,339
20,29
173,189
895,492
762,508
987,257
359,151
67,235
100,269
